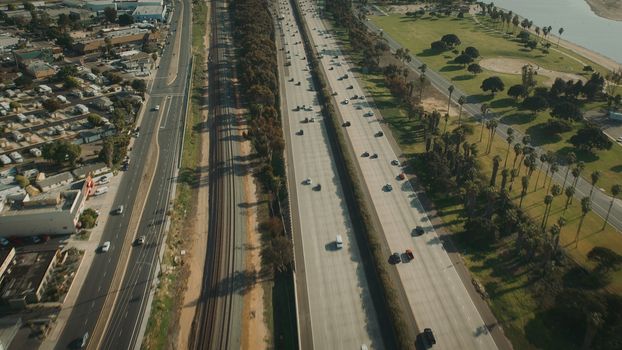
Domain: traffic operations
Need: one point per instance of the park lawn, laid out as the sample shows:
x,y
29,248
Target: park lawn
x,y
492,43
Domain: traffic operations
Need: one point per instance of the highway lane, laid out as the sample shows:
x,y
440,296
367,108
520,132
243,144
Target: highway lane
x,y
437,296
341,311
600,199
95,288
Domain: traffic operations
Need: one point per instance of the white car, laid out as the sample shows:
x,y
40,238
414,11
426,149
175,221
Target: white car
x,y
395,162
106,246
156,108
346,101
308,181
370,114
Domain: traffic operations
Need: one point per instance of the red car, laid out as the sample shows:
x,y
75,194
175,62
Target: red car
x,y
409,254
401,176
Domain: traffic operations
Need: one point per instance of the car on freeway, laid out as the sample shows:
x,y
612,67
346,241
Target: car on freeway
x,y
409,254
418,231
106,246
395,258
140,240
300,132
318,187
374,156
307,181
349,87
379,134
387,188
365,154
619,139
156,108
428,338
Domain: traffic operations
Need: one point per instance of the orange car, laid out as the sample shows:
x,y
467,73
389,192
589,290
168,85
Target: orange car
x,y
409,254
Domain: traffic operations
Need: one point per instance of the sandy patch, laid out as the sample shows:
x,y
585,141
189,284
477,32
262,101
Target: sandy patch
x,y
610,9
433,103
198,232
514,66
402,9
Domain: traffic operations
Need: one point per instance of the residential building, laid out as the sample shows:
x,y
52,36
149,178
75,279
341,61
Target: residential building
x,y
149,13
29,273
46,184
90,170
49,213
40,70
117,37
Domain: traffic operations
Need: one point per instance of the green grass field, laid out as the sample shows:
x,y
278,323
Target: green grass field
x,y
511,300
417,34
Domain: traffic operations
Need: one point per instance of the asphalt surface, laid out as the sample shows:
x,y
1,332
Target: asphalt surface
x,y
600,199
127,315
341,310
437,296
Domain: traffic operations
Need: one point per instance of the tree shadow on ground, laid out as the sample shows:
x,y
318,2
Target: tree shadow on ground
x,y
577,277
616,169
518,118
451,68
503,103
479,98
585,156
540,135
550,330
463,77
428,53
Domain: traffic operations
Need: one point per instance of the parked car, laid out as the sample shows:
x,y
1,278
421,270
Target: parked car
x,y
300,132
318,187
373,156
346,124
401,176
387,188
395,162
307,181
365,154
4,242
379,134
428,338
409,254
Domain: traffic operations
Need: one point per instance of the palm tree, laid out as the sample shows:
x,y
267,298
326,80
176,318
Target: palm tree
x,y
548,199
491,125
495,168
543,160
423,68
513,175
446,120
594,321
586,206
484,110
560,31
504,178
461,101
556,190
525,185
595,177
451,89
569,192
577,171
509,139
615,191
571,158
554,169
422,80
518,150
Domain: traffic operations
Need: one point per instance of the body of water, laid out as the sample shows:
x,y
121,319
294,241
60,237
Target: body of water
x,y
581,25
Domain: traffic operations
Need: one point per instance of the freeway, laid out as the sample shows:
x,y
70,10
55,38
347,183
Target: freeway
x,y
126,316
335,306
600,199
437,296
218,320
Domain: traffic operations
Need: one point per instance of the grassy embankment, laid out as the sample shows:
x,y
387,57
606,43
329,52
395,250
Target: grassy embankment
x,y
491,43
164,311
512,300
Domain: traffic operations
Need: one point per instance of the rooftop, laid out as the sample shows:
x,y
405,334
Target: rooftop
x,y
27,274
148,10
49,202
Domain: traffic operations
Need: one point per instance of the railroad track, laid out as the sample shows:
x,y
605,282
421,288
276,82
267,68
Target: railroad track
x,y
212,324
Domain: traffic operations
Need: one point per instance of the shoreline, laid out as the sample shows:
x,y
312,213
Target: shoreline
x,y
600,9
598,58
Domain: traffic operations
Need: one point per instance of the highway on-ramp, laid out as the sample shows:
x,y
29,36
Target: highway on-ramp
x,y
341,312
437,296
127,314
